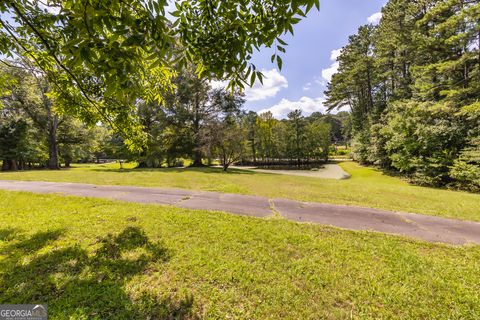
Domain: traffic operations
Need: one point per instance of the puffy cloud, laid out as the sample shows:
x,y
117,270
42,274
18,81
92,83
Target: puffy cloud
x,y
335,54
375,18
273,82
306,104
328,73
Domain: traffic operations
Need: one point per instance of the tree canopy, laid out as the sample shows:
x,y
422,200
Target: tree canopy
x,y
101,57
413,85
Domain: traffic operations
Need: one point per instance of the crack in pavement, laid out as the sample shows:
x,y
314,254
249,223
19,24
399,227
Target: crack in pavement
x,y
422,227
276,214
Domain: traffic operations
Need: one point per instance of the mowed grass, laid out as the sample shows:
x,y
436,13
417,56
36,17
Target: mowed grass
x,y
97,259
367,187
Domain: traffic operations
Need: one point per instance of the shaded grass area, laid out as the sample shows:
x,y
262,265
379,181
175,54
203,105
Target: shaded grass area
x,y
96,259
367,187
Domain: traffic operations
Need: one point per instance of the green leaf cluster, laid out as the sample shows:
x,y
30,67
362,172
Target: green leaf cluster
x,y
413,85
103,57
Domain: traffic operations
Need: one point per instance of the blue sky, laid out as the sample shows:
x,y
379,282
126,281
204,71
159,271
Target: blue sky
x,y
308,61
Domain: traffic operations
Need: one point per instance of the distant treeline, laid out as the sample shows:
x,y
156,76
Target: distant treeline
x,y
205,124
194,122
413,85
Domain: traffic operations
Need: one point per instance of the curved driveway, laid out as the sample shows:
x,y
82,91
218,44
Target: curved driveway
x,y
329,171
428,228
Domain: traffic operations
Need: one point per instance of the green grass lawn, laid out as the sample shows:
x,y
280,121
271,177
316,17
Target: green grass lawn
x,y
98,259
367,187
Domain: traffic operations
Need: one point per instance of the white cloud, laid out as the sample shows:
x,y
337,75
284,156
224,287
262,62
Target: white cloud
x,y
307,87
320,81
306,104
375,18
335,54
328,73
273,82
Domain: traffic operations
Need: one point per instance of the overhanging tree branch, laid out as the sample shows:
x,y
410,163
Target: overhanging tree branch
x,y
58,62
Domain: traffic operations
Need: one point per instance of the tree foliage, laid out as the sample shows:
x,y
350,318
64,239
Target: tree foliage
x,y
33,132
413,85
101,57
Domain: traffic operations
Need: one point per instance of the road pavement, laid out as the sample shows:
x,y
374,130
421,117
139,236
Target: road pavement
x,y
422,227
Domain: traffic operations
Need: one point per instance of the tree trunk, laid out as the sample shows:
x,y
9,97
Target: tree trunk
x,y
370,91
53,149
254,152
392,76
53,155
225,162
53,162
197,155
5,165
197,160
13,165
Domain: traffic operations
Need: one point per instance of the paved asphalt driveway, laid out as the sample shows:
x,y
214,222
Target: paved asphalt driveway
x,y
428,228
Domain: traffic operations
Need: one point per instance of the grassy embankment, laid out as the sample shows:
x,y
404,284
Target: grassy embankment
x,y
367,187
97,259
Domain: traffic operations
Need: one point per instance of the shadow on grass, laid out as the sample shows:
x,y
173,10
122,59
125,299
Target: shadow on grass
x,y
76,284
7,234
101,168
206,170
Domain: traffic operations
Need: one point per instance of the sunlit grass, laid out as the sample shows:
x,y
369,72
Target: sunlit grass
x,y
367,187
95,259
